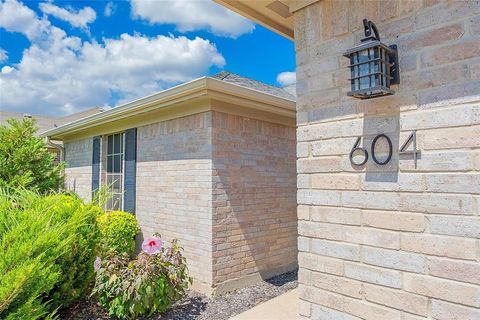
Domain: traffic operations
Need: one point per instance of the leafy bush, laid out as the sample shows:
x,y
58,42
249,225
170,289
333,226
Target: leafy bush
x,y
148,284
24,160
76,264
46,253
117,232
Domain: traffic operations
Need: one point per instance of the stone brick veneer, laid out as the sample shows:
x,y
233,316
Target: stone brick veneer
x,y
254,221
223,185
174,192
394,242
78,172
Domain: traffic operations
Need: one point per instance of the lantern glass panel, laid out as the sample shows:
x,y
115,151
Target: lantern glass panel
x,y
363,58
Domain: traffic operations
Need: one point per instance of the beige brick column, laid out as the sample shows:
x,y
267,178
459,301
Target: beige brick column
x,y
395,241
254,228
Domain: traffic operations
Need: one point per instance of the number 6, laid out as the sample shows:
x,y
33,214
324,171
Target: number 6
x,y
355,148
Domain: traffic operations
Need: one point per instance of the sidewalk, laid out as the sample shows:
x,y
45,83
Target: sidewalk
x,y
283,307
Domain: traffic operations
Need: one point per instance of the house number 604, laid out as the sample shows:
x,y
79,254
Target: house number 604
x,y
356,148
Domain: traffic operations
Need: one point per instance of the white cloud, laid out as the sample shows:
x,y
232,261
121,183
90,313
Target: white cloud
x,y
60,74
110,9
286,78
190,15
6,69
15,17
3,55
77,18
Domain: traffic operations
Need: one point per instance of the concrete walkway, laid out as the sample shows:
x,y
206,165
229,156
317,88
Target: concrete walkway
x,y
283,307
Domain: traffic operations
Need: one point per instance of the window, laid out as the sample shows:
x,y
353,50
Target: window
x,y
114,171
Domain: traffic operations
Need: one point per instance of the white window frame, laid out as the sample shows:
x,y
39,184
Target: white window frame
x,y
107,174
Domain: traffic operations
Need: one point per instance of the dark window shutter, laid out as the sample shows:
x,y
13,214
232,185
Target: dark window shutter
x,y
95,165
130,170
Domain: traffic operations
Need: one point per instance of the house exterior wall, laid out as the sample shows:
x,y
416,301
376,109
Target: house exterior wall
x,y
174,193
390,242
254,200
78,172
224,185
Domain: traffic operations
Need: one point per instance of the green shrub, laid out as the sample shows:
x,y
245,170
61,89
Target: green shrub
x,y
143,286
24,160
77,263
117,232
46,253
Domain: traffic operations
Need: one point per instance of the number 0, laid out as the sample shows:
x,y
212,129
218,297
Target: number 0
x,y
390,149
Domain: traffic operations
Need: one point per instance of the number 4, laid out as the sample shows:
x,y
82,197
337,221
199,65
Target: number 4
x,y
412,139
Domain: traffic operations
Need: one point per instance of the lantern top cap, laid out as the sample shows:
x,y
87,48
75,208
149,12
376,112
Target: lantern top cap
x,y
372,39
367,45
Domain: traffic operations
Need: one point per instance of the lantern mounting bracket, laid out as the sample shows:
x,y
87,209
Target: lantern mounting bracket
x,y
394,71
368,27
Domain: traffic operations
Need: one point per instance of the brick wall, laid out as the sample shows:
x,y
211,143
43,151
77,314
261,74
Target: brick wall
x,y
78,172
223,185
254,221
174,193
390,242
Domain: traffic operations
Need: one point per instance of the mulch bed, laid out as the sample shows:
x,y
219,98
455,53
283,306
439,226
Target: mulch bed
x,y
196,306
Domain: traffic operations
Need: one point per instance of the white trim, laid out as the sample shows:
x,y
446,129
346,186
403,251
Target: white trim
x,y
202,87
122,186
134,107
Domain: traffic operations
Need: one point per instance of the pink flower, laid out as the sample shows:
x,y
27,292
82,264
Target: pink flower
x,y
152,245
97,264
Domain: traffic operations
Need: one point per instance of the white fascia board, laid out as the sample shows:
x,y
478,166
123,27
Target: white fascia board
x,y
204,86
250,94
157,100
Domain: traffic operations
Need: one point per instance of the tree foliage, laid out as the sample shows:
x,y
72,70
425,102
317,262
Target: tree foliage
x,y
25,161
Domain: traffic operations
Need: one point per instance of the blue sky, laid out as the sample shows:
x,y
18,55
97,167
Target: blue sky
x,y
60,57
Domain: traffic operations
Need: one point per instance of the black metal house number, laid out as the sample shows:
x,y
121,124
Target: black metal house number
x,y
356,148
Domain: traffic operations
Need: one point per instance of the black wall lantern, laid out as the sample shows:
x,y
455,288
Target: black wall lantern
x,y
373,65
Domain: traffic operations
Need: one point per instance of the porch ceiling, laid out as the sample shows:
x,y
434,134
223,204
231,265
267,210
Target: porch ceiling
x,y
272,14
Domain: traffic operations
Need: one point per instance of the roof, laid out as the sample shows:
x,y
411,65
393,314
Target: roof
x,y
45,123
255,85
225,87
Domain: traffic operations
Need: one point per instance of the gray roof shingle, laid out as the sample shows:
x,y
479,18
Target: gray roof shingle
x,y
255,85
